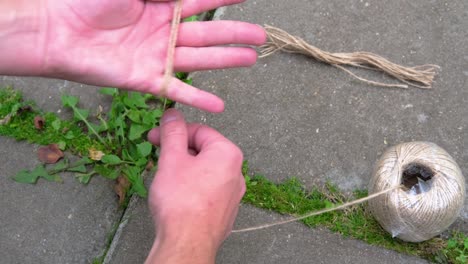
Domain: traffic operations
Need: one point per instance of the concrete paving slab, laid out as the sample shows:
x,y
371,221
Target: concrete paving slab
x,y
135,236
292,243
51,222
296,243
293,116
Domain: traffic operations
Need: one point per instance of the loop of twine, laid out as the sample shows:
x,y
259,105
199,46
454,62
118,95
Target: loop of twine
x,y
169,70
417,76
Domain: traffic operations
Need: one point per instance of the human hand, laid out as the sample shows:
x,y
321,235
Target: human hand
x,y
195,195
123,43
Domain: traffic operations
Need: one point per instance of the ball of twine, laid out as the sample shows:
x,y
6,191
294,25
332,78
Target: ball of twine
x,y
432,195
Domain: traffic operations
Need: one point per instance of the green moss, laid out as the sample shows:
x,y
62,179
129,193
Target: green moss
x,y
21,125
455,250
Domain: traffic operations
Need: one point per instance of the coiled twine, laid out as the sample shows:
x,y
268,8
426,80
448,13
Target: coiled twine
x,y
432,195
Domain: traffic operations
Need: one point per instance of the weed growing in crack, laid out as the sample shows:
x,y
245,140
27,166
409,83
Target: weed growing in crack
x,y
111,144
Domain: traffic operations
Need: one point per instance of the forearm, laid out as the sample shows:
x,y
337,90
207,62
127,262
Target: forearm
x,y
21,37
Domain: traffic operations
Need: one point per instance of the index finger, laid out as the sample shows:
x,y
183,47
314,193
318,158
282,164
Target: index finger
x,y
208,142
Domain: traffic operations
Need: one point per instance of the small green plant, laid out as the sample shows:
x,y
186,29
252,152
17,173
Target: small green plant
x,y
40,171
192,18
455,250
111,144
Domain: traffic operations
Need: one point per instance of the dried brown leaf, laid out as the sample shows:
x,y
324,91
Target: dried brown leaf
x,y
149,165
121,188
39,122
50,154
95,154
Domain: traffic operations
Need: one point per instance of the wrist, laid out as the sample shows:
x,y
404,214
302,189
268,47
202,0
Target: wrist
x,y
21,37
182,249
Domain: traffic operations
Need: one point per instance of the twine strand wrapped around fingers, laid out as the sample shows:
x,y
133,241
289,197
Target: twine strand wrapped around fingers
x,y
169,70
418,76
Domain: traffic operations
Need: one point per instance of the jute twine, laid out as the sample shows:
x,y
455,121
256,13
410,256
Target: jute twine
x,y
336,208
433,195
418,76
279,40
416,192
169,70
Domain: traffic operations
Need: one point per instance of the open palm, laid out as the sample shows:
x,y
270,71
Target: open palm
x,y
123,43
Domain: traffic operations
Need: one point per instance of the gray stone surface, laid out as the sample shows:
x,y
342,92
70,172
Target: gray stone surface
x,y
135,235
133,242
296,243
293,243
51,222
293,116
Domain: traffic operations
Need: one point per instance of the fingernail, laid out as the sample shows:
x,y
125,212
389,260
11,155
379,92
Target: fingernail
x,y
170,116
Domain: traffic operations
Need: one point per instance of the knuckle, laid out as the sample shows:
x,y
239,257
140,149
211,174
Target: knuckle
x,y
238,153
227,146
173,129
234,152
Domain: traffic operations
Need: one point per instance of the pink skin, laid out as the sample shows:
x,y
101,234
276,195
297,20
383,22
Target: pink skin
x,y
195,195
123,43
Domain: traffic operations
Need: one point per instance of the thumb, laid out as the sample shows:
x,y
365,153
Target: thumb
x,y
174,135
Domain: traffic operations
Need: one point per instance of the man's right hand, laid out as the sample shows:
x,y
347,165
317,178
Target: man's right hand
x,y
195,195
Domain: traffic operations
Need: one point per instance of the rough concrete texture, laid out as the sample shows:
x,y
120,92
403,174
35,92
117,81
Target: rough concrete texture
x,y
296,243
293,116
135,235
51,222
293,243
133,243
